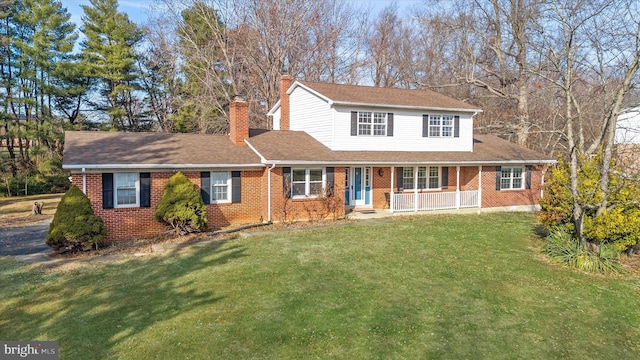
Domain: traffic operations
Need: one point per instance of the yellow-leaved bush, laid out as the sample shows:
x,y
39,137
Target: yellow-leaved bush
x,y
618,225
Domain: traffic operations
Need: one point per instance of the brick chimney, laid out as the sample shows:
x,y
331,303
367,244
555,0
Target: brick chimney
x,y
285,83
239,120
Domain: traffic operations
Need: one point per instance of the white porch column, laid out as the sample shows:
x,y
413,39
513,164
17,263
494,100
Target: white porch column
x,y
415,188
480,186
458,187
391,202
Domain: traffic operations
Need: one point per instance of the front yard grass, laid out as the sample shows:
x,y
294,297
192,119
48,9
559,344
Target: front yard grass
x,y
456,287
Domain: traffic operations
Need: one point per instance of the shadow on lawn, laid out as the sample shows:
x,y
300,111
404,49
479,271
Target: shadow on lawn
x,y
90,312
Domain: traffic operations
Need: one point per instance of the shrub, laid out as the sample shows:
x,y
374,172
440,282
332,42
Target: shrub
x,y
181,206
618,226
564,248
75,227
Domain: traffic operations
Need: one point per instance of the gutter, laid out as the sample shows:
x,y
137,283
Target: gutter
x,y
393,163
157,166
347,103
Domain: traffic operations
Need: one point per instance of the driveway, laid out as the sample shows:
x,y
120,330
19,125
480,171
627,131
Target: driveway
x,y
24,240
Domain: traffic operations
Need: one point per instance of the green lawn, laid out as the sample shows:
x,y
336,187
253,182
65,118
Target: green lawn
x,y
457,287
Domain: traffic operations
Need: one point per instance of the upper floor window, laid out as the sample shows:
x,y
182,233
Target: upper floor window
x,y
440,125
371,123
511,178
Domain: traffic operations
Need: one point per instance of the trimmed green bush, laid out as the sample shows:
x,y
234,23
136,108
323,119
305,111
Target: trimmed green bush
x,y
181,207
75,227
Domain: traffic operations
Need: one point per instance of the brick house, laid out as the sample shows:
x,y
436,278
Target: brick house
x,y
333,148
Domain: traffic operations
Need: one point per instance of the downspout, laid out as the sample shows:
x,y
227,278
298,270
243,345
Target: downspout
x,y
84,181
391,202
458,187
543,171
479,187
269,192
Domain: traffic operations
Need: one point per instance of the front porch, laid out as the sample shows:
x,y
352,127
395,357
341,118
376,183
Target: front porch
x,y
422,201
462,193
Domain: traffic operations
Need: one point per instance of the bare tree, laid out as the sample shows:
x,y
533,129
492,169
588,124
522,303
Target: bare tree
x,y
491,39
594,67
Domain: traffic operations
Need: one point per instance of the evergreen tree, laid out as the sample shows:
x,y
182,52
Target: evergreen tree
x,y
110,57
75,226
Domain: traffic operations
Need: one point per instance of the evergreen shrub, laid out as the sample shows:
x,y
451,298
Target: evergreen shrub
x,y
181,207
75,227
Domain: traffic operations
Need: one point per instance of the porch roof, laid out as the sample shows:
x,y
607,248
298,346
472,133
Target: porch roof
x,y
297,147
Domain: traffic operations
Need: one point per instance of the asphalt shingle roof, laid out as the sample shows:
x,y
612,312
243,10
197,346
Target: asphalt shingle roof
x,y
109,148
387,97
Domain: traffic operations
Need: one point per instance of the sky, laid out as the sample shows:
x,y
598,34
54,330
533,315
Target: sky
x,y
138,10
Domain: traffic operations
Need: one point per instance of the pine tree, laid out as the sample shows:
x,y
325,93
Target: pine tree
x,y
110,56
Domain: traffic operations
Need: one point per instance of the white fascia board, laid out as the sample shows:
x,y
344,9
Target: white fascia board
x,y
296,84
94,167
262,159
274,109
428,108
386,163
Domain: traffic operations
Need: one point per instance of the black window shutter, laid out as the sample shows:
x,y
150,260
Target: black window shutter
x,y
205,186
390,124
456,126
498,176
145,190
107,190
425,125
354,124
286,181
445,177
400,178
236,187
330,180
528,177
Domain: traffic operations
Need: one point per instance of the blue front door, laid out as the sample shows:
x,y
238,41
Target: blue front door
x,y
357,183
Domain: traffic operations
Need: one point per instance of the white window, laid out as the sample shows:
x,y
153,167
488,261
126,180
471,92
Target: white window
x,y
127,190
426,178
434,177
372,123
440,125
407,178
511,178
306,182
220,187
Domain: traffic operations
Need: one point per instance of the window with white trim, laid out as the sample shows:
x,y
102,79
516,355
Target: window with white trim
x,y
407,178
127,190
372,123
306,182
440,125
512,178
220,187
426,178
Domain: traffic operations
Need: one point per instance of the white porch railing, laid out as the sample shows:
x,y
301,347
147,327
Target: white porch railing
x,y
434,201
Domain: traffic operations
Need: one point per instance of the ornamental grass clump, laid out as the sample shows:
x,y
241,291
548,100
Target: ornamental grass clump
x,y
181,207
75,227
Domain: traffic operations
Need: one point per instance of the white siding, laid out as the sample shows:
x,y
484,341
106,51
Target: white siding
x,y
407,133
276,119
628,129
311,114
